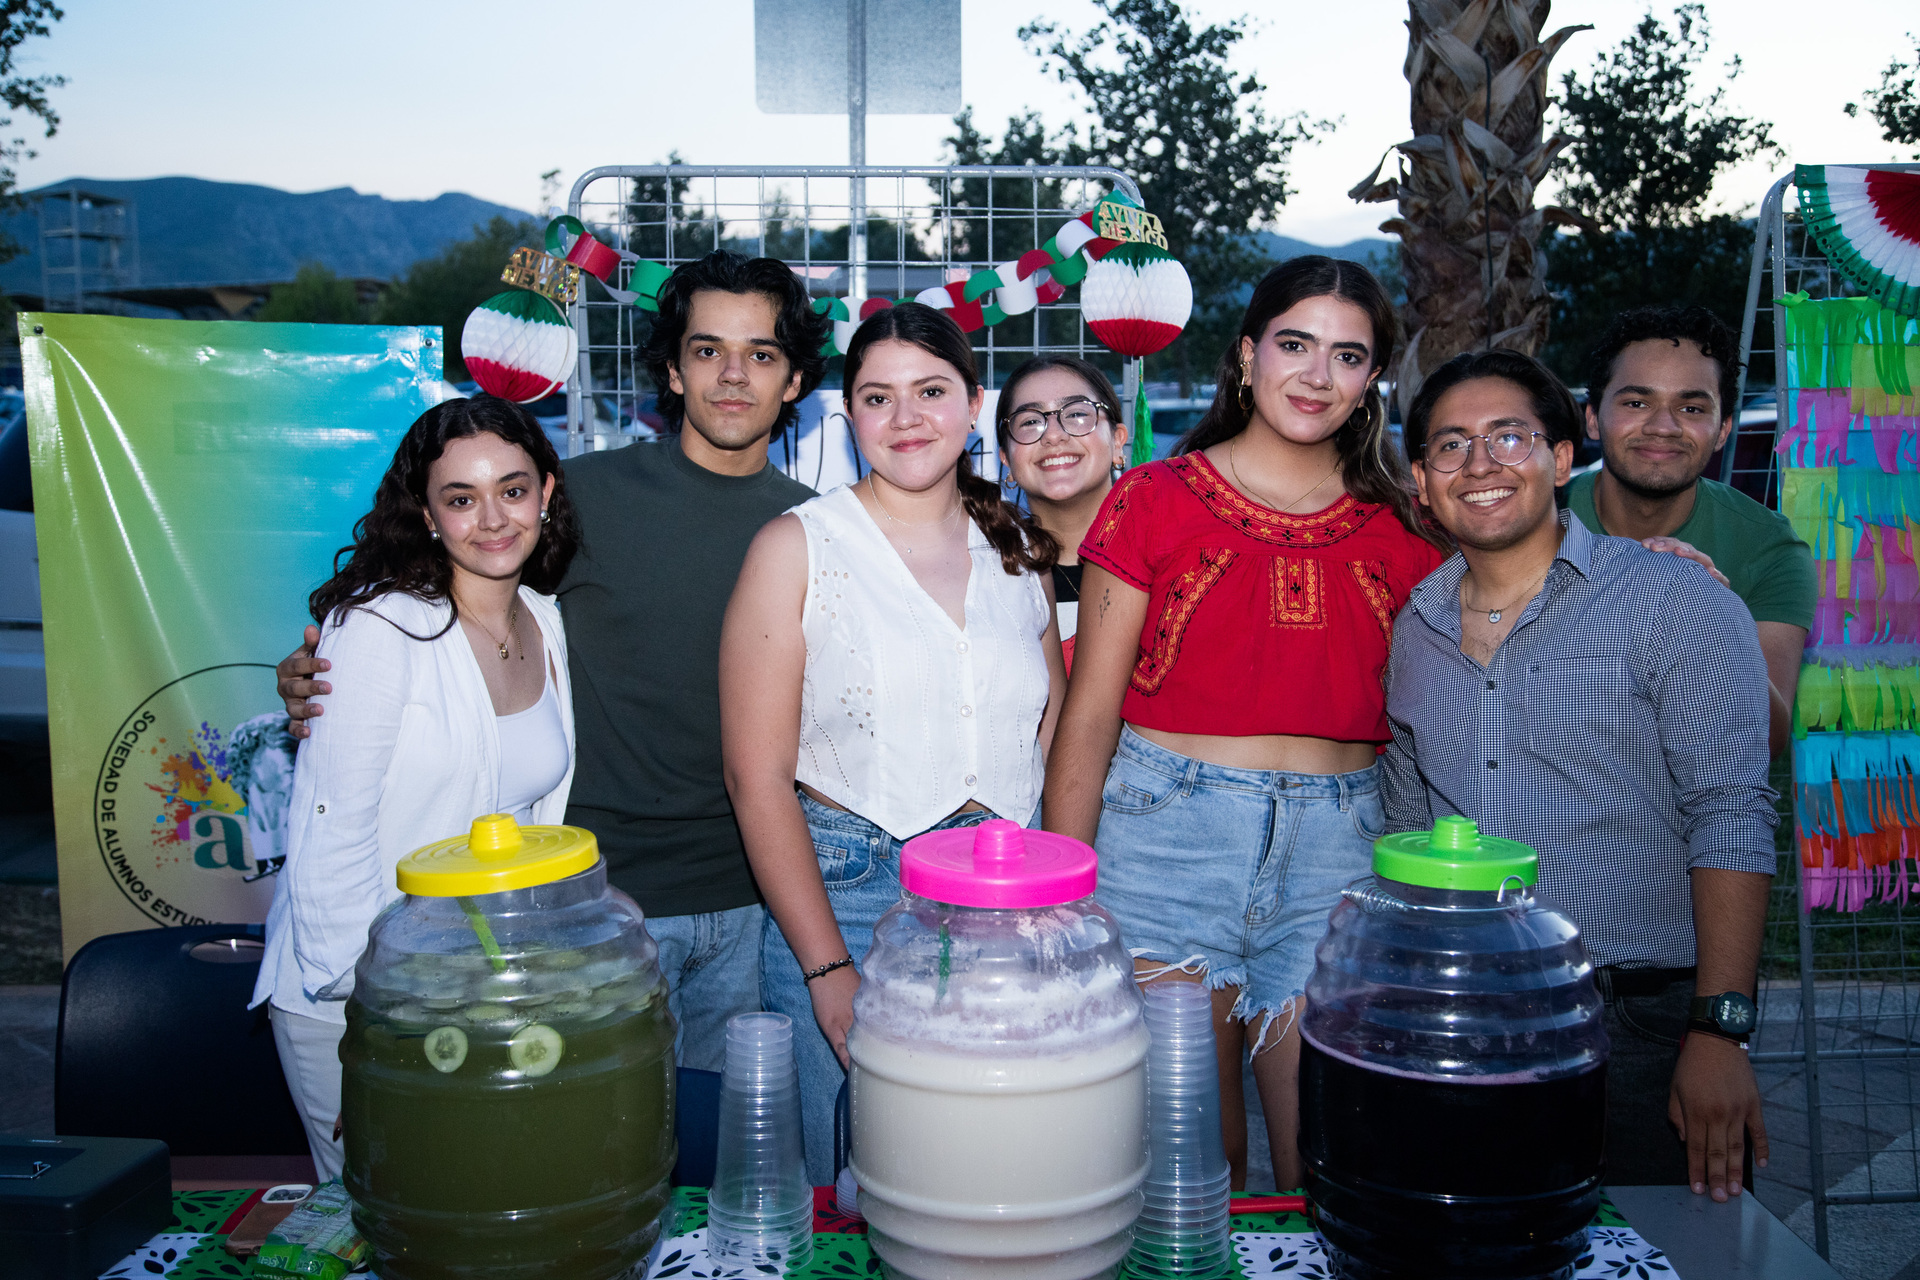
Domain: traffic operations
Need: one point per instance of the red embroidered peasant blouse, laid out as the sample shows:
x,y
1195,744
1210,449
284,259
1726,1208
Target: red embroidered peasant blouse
x,y
1257,622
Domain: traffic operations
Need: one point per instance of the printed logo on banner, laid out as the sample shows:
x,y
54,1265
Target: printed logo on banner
x,y
190,805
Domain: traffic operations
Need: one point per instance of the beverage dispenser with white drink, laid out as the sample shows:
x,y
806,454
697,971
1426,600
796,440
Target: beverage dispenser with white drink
x,y
999,1092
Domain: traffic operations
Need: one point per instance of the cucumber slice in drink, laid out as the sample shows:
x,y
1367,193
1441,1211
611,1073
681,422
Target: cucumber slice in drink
x,y
446,1048
536,1049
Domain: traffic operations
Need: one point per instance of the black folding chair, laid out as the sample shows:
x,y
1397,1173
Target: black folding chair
x,y
156,1041
696,1125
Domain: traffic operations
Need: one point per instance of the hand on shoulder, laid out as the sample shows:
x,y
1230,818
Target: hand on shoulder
x,y
1687,551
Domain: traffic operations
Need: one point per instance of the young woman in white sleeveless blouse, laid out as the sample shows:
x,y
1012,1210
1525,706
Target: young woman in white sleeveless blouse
x,y
891,649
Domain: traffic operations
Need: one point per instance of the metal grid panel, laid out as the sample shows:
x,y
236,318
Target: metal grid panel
x,y
924,227
1839,1033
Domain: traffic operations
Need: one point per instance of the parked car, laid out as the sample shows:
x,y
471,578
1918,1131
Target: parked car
x,y
1173,418
23,658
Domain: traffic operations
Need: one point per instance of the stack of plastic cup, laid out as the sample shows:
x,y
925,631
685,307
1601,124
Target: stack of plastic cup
x,y
1183,1228
760,1215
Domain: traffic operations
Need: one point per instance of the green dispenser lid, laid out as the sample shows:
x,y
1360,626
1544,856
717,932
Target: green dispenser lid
x,y
1454,855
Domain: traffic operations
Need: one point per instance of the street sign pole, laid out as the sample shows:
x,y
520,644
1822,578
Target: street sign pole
x,y
857,144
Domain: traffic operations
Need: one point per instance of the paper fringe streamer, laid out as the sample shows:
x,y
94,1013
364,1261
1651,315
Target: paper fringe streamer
x,y
1857,811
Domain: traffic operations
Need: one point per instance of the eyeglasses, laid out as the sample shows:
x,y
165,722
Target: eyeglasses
x,y
1508,447
1077,417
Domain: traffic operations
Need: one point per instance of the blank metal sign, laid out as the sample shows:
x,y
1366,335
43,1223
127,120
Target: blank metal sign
x,y
800,57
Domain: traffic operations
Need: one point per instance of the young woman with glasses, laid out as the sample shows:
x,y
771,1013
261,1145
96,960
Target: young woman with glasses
x,y
1219,738
1063,443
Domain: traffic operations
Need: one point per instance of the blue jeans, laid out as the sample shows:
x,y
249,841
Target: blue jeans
x,y
860,864
1232,872
712,965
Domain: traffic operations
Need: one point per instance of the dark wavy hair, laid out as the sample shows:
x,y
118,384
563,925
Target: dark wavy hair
x,y
1694,323
1369,467
1022,544
1085,370
392,550
1553,404
799,331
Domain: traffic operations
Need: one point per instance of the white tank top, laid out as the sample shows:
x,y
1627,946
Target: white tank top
x,y
533,754
904,717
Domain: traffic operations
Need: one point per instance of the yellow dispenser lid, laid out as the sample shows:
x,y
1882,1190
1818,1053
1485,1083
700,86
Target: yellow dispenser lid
x,y
498,854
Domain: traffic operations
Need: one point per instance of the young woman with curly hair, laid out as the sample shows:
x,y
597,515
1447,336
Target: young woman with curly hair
x,y
452,702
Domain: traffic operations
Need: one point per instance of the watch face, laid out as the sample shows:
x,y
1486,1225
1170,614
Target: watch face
x,y
1734,1012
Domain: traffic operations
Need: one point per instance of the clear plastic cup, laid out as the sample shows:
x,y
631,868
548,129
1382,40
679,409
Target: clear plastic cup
x,y
846,1194
1184,1229
760,1213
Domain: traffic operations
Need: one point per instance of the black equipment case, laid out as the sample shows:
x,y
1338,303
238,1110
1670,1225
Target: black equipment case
x,y
72,1207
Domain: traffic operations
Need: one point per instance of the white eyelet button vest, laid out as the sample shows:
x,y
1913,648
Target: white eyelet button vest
x,y
904,717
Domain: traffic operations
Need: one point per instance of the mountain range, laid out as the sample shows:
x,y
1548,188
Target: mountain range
x,y
191,231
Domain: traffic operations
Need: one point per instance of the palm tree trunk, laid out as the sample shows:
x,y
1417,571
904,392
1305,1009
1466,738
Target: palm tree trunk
x,y
1470,236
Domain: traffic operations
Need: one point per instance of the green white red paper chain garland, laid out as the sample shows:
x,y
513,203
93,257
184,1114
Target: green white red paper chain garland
x,y
1035,278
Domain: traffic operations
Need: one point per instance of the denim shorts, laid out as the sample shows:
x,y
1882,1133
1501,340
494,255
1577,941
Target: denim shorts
x,y
860,865
1231,872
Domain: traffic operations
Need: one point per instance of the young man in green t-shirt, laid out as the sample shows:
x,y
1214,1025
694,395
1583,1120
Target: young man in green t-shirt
x,y
1661,388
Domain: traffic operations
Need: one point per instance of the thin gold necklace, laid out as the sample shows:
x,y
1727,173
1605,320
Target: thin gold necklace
x,y
909,524
1250,489
513,616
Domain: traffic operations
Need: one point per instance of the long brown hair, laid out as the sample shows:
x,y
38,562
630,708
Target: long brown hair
x,y
392,549
1369,467
1023,545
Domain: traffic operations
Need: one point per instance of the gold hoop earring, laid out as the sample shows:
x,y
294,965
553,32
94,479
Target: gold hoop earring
x,y
1246,388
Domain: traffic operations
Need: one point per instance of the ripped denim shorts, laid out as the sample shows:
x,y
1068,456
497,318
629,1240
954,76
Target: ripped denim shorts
x,y
1232,872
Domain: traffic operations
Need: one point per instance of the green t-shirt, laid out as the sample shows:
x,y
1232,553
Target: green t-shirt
x,y
1770,569
663,540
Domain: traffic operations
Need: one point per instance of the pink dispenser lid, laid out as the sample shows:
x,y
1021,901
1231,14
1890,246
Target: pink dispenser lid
x,y
998,864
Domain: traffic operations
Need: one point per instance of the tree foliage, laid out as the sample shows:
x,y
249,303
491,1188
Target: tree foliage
x,y
444,288
1648,142
1167,108
20,21
1895,103
1025,141
316,296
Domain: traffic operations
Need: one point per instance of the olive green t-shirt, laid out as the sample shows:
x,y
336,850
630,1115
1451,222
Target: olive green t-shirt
x,y
1768,566
663,540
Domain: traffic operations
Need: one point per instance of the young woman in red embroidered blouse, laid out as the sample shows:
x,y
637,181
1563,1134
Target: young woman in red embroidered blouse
x,y
1218,740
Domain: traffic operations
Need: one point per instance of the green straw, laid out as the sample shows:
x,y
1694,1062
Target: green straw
x,y
946,962
480,929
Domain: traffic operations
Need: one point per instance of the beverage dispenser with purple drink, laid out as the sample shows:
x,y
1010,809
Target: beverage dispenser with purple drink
x,y
1453,1068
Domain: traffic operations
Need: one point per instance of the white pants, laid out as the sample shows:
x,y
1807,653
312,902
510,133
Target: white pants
x,y
310,1058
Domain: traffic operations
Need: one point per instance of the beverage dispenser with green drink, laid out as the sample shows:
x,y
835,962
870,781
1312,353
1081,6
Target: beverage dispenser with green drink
x,y
508,1096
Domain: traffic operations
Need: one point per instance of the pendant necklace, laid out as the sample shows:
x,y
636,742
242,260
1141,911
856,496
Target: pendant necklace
x,y
1493,615
513,615
907,524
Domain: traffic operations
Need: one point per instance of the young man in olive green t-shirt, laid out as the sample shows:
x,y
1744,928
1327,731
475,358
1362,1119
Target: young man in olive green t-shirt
x,y
1660,400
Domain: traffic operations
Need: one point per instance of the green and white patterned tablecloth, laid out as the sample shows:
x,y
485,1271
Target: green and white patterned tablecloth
x,y
1266,1244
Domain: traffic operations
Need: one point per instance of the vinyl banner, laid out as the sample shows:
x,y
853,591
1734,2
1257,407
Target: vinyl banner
x,y
191,483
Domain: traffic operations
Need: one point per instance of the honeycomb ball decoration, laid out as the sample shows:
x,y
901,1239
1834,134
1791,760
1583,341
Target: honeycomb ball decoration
x,y
518,346
1136,300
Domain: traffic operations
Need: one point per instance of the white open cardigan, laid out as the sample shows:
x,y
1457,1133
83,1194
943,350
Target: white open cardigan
x,y
407,753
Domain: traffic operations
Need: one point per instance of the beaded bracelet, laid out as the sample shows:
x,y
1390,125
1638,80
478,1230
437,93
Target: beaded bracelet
x,y
825,969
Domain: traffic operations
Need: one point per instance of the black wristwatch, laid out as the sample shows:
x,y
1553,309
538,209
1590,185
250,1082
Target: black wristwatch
x,y
1728,1015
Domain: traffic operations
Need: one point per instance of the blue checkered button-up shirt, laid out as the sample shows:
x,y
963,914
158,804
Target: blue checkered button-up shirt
x,y
1620,730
